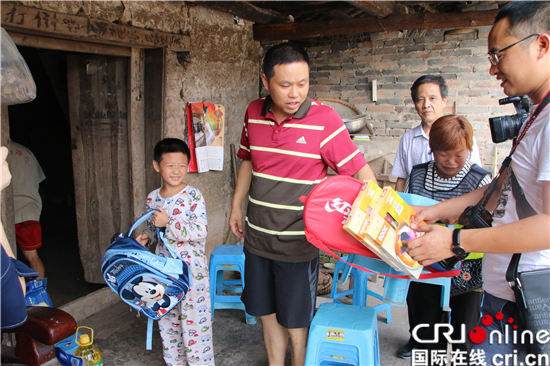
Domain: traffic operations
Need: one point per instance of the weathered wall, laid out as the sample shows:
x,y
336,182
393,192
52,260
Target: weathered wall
x,y
221,67
395,61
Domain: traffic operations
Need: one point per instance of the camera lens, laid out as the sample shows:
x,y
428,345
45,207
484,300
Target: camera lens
x,y
506,127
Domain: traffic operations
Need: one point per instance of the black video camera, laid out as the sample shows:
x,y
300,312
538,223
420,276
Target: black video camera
x,y
475,217
507,127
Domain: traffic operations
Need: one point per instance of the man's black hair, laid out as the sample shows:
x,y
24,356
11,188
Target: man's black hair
x,y
526,17
283,53
170,145
429,79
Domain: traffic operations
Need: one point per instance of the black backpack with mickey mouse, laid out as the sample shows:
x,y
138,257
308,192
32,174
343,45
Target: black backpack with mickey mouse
x,y
151,284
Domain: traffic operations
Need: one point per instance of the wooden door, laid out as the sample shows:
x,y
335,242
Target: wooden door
x,y
98,106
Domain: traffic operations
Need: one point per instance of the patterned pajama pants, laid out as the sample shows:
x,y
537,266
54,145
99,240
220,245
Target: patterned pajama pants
x,y
186,331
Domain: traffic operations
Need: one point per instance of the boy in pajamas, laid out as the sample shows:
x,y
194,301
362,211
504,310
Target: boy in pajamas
x,y
186,331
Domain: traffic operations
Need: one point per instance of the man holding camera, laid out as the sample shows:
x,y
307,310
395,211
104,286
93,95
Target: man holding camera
x,y
519,52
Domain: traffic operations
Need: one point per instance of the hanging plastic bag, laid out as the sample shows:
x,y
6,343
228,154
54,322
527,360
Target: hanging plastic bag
x,y
16,80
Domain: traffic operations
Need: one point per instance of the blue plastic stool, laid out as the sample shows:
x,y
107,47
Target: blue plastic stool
x,y
396,289
343,335
360,289
227,258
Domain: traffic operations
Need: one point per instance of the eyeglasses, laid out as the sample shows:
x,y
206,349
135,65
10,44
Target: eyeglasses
x,y
493,55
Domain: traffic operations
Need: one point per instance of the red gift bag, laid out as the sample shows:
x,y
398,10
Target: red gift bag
x,y
325,211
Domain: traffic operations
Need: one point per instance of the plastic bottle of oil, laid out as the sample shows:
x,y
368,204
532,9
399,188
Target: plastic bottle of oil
x,y
87,351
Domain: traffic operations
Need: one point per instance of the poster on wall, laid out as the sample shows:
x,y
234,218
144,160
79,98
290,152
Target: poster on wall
x,y
205,136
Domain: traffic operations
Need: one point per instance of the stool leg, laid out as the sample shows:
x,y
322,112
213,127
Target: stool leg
x,y
445,297
33,352
359,290
249,318
219,283
347,269
334,294
212,291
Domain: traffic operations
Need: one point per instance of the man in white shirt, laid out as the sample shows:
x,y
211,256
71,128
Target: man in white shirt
x,y
429,93
519,51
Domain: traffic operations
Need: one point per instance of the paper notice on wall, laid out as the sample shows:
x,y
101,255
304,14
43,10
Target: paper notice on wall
x,y
202,159
206,122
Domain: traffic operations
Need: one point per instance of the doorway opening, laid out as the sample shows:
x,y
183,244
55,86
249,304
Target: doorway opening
x,y
43,126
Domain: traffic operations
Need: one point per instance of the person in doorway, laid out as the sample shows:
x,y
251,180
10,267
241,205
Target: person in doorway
x,y
182,214
519,52
26,176
429,94
449,175
288,141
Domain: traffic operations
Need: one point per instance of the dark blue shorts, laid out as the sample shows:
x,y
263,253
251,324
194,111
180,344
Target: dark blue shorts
x,y
287,289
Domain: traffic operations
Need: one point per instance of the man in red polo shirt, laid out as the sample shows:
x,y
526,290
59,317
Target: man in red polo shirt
x,y
288,142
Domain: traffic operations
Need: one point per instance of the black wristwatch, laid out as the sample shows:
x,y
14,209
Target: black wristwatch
x,y
457,250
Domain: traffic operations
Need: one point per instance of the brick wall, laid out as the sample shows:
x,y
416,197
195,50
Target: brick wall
x,y
395,60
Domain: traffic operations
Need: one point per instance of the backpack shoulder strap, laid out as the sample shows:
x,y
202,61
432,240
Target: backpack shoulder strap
x,y
160,234
140,221
149,337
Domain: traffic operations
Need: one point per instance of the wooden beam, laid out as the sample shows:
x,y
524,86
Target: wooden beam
x,y
136,130
28,20
279,32
339,14
380,9
66,45
248,11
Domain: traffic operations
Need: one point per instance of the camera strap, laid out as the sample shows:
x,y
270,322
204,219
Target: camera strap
x,y
535,114
506,163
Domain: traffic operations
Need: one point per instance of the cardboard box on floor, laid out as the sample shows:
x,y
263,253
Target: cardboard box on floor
x,y
380,219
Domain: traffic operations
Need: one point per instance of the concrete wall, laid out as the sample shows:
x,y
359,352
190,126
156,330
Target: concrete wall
x,y
222,67
395,60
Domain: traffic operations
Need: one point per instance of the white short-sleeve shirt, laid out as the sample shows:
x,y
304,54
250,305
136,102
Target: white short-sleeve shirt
x,y
531,165
26,177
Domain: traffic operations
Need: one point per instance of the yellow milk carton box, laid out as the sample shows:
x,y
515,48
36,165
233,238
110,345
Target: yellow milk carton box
x,y
389,225
359,218
361,209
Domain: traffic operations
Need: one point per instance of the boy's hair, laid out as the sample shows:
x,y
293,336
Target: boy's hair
x,y
427,79
526,18
283,53
451,132
170,145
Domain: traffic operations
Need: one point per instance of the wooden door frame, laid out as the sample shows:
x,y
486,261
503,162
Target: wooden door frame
x,y
40,28
136,127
